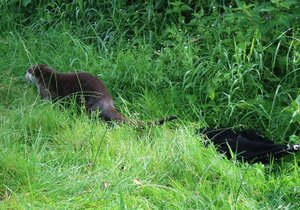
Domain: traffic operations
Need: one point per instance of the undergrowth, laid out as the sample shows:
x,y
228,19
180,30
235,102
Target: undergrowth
x,y
215,63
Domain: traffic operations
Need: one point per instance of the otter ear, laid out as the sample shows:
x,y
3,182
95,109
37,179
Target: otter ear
x,y
38,70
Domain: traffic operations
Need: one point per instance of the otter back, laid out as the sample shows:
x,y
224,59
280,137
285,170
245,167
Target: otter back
x,y
87,89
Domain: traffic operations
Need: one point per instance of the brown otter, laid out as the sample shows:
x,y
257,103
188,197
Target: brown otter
x,y
87,89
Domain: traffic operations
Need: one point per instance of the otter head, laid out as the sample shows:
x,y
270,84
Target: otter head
x,y
35,72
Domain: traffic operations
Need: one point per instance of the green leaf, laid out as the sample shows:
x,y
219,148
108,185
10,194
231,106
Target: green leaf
x,y
298,101
211,94
186,7
26,2
288,3
239,3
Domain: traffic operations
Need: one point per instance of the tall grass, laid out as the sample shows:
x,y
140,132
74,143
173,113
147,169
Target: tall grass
x,y
212,64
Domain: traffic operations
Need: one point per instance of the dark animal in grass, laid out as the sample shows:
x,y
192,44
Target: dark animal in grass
x,y
247,145
88,91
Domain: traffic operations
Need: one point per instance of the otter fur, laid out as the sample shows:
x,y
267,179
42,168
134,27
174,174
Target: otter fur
x,y
87,89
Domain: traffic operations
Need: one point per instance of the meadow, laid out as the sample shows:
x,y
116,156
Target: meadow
x,y
211,63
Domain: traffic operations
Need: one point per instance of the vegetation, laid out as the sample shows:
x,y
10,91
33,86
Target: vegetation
x,y
212,63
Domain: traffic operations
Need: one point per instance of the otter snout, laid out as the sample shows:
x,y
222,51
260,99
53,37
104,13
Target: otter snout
x,y
29,76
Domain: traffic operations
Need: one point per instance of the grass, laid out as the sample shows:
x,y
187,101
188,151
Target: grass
x,y
51,157
74,162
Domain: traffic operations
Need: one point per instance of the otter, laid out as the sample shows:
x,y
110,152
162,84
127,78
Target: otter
x,y
88,90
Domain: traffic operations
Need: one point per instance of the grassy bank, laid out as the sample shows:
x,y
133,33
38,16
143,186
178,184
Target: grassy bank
x,y
221,66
